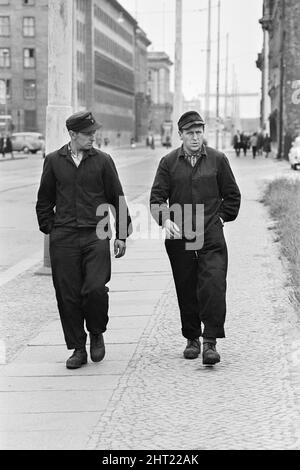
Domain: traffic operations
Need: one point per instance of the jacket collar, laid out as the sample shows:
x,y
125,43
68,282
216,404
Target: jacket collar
x,y
64,151
182,153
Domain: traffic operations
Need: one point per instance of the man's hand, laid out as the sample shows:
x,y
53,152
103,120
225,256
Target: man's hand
x,y
172,230
119,248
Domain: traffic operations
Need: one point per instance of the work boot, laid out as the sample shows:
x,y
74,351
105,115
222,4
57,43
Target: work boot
x,y
78,358
210,355
97,347
192,349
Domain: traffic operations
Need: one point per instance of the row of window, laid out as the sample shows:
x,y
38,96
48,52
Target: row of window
x,y
114,49
81,93
81,61
80,32
81,5
29,89
29,60
112,24
28,26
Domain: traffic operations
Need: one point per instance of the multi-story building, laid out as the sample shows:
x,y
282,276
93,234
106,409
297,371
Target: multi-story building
x,y
142,98
107,44
159,65
280,66
23,63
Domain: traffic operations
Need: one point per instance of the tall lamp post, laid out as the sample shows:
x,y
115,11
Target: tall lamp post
x,y
218,80
5,57
177,103
60,83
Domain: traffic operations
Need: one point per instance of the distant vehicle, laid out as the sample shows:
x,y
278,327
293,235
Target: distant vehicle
x,y
166,133
294,154
28,142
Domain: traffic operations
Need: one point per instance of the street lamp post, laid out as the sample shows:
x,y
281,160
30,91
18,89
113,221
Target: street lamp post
x,y
60,83
218,80
5,57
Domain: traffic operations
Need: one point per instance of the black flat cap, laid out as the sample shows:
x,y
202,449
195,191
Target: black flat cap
x,y
189,119
83,121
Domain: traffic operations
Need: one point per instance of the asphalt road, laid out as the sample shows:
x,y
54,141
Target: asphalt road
x,y
21,243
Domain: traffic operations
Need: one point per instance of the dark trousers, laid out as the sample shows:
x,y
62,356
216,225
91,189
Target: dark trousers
x,y
81,268
200,281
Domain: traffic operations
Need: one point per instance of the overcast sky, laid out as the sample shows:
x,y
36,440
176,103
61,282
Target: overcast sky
x,y
239,18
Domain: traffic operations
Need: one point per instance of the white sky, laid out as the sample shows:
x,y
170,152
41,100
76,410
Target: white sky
x,y
239,18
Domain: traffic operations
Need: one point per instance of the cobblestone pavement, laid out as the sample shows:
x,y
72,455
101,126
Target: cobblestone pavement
x,y
248,401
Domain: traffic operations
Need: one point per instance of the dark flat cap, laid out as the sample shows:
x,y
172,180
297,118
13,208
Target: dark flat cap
x,y
83,121
189,119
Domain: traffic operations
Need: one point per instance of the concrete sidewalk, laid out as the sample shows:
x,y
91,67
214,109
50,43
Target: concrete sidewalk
x,y
144,395
45,406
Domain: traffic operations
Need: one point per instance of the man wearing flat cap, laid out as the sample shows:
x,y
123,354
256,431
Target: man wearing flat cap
x,y
194,193
78,186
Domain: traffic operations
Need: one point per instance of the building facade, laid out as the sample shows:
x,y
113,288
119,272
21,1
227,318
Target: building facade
x,y
280,66
159,65
23,63
109,66
142,98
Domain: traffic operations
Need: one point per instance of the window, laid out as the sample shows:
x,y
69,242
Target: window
x,y
28,26
4,26
30,120
29,58
29,89
28,2
4,57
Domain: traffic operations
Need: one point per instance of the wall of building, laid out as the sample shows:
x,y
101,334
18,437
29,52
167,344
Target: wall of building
x,y
284,41
27,113
159,90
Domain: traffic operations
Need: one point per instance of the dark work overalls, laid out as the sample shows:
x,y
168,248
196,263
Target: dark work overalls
x,y
199,274
80,256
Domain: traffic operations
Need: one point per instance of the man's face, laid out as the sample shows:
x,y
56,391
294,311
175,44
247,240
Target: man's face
x,y
192,138
83,140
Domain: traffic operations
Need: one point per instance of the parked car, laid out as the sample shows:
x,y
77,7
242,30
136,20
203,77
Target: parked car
x,y
27,142
294,154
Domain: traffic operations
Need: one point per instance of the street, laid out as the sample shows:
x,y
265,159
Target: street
x,y
20,238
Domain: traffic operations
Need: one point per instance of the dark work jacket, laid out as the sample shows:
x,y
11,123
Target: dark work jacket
x,y
210,183
76,192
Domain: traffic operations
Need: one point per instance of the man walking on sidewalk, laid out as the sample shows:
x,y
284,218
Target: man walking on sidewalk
x,y
190,177
81,183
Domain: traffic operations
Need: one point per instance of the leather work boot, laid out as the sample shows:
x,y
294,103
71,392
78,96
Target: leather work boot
x,y
78,358
210,355
192,349
97,347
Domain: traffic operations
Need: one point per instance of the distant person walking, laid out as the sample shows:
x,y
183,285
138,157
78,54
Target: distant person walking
x,y
6,146
267,145
244,143
78,185
260,143
237,143
253,143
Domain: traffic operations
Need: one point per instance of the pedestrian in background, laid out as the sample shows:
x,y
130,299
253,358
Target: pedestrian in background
x,y
190,176
253,143
237,143
6,146
260,143
267,145
244,143
77,181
